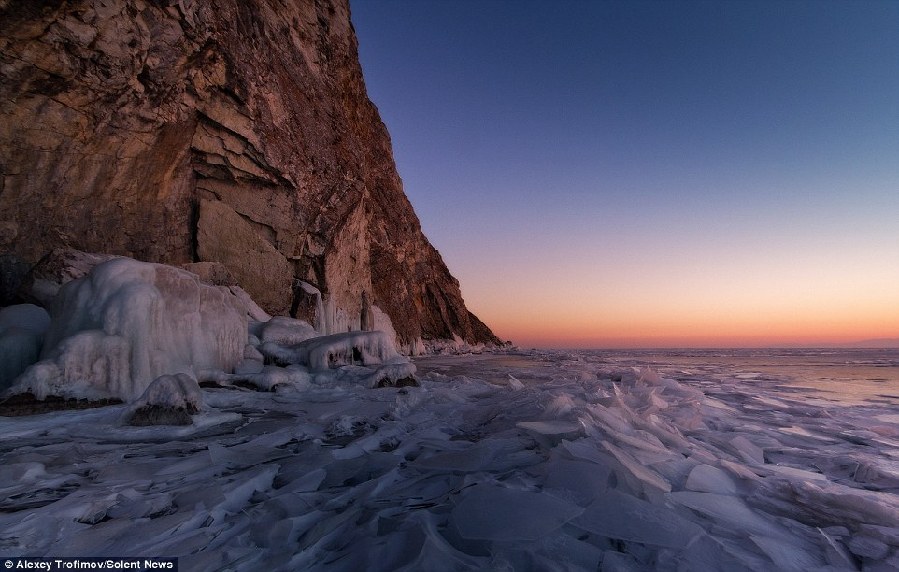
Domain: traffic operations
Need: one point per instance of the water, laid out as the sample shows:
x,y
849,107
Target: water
x,y
849,376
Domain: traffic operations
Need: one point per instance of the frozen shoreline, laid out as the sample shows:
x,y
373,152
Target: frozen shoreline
x,y
523,460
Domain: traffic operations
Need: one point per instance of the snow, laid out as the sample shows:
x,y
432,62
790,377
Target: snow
x,y
126,323
590,461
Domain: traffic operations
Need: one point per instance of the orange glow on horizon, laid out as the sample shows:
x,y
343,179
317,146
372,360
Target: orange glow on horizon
x,y
684,317
757,287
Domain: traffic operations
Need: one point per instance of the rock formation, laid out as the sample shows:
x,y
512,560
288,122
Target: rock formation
x,y
236,132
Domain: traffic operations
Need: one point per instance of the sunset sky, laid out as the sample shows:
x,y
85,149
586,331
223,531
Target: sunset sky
x,y
630,174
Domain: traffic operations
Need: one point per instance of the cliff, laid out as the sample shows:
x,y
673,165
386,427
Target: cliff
x,y
234,131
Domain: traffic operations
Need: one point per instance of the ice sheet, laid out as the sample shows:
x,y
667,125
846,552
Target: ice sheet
x,y
567,469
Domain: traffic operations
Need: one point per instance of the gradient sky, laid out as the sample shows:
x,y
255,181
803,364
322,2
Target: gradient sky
x,y
613,174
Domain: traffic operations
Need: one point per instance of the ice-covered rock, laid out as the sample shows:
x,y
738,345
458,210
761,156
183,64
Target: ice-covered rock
x,y
22,329
364,358
363,348
127,323
270,378
249,366
59,267
393,375
286,331
169,400
254,312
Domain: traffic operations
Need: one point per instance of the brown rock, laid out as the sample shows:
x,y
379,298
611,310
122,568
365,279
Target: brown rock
x,y
27,404
236,132
58,267
214,273
224,236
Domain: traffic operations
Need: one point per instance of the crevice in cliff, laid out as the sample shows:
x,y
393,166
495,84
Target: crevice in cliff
x,y
193,221
224,149
264,230
251,143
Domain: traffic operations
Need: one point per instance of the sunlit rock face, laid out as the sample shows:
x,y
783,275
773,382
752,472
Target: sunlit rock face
x,y
237,132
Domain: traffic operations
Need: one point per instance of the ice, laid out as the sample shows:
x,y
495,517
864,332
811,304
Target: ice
x,y
787,555
327,352
253,311
550,433
491,512
127,323
708,479
169,400
567,472
842,503
22,329
391,373
179,391
365,348
868,547
727,510
270,378
578,481
621,516
794,473
286,331
648,478
835,553
468,459
619,562
381,322
748,450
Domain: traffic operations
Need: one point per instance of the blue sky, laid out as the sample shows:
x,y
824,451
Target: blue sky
x,y
631,173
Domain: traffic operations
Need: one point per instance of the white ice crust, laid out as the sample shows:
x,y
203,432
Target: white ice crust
x,y
179,391
127,323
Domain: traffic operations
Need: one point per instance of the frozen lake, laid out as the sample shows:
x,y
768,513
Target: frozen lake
x,y
530,460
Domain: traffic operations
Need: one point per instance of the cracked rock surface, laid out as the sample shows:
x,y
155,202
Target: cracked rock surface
x,y
235,132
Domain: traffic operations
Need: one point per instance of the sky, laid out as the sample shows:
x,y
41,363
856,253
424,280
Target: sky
x,y
610,174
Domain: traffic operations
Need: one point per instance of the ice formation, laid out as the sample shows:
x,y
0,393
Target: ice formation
x,y
505,461
127,323
169,400
22,329
364,348
367,358
284,331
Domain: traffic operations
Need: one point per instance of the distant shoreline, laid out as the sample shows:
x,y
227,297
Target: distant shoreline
x,y
876,344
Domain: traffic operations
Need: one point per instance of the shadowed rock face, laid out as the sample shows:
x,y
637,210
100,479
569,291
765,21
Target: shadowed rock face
x,y
236,132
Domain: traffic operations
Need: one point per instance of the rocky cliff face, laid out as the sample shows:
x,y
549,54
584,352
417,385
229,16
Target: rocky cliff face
x,y
233,131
